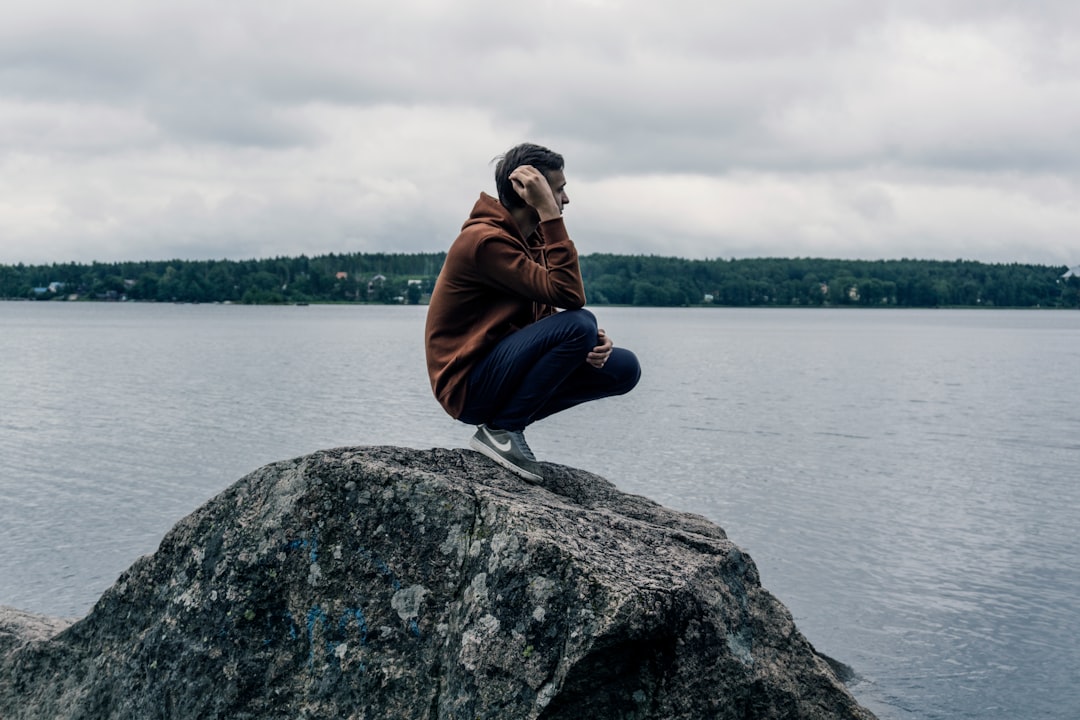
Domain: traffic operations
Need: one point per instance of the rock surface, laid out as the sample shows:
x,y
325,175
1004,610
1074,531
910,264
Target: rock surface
x,y
381,582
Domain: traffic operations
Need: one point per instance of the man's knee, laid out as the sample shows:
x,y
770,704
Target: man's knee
x,y
581,320
570,329
624,365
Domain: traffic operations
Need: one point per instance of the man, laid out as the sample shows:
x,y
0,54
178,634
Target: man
x,y
499,353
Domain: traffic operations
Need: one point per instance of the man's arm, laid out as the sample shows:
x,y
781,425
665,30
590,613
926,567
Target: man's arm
x,y
535,190
506,264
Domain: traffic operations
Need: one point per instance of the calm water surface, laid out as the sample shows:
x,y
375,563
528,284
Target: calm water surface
x,y
905,480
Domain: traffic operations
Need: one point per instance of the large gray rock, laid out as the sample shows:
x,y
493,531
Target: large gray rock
x,y
381,582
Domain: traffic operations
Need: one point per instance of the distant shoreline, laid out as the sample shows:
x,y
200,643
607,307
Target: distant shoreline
x,y
615,280
700,306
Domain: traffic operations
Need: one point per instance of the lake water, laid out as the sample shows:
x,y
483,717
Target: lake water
x,y
906,481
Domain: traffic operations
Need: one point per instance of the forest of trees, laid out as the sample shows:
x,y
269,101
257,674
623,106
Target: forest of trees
x,y
609,279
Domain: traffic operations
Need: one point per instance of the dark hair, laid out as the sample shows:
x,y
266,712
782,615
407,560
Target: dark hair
x,y
539,157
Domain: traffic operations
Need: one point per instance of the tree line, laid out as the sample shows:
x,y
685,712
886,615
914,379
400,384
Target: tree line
x,y
609,279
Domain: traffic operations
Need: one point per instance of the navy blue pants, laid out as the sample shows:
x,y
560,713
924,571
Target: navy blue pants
x,y
541,370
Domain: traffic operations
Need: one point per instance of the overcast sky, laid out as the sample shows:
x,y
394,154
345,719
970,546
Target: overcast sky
x,y
849,129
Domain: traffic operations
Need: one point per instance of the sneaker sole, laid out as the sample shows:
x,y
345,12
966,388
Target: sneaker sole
x,y
519,471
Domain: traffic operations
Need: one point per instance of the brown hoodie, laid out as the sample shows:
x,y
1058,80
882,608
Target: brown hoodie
x,y
494,282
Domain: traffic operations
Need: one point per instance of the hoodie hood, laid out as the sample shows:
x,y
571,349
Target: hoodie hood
x,y
489,211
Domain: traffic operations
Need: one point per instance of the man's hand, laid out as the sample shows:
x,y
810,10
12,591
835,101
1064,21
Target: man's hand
x,y
601,352
535,190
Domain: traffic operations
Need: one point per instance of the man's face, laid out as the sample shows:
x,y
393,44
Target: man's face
x,y
557,180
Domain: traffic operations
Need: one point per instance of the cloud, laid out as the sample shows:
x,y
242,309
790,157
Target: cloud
x,y
853,215
133,130
380,179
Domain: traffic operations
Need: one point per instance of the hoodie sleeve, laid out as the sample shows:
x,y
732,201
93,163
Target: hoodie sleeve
x,y
506,263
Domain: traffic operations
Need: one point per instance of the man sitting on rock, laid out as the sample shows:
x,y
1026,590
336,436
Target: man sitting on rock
x,y
499,353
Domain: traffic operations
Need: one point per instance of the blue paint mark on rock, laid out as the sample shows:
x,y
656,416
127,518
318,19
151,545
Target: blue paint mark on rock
x,y
312,545
361,623
334,636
